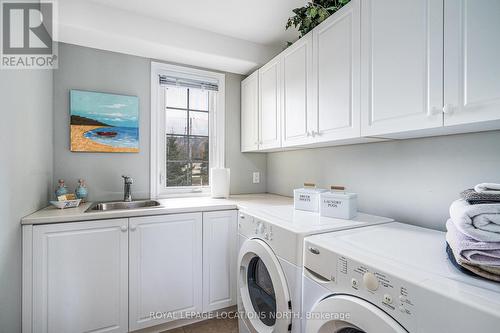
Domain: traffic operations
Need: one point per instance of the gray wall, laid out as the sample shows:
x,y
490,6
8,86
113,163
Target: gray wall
x,y
91,69
412,181
25,174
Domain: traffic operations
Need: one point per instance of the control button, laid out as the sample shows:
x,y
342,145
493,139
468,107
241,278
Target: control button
x,y
354,283
266,236
387,299
402,299
370,281
402,309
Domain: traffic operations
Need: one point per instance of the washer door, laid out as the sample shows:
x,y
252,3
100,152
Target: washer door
x,y
263,289
349,314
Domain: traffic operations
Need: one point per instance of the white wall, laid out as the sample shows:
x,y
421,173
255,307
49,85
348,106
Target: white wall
x,y
25,174
412,181
91,69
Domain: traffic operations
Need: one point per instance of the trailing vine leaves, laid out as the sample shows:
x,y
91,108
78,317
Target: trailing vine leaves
x,y
311,15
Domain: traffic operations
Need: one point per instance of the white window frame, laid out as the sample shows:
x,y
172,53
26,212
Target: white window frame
x,y
216,120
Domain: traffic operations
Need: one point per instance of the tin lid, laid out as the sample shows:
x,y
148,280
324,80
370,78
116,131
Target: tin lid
x,y
310,188
339,195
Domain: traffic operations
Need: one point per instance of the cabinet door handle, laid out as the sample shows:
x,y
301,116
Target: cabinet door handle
x,y
133,227
448,108
123,228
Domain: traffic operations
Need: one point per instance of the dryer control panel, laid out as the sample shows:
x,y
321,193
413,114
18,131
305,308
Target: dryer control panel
x,y
341,274
283,242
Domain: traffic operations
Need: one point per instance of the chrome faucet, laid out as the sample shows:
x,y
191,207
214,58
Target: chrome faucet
x,y
127,193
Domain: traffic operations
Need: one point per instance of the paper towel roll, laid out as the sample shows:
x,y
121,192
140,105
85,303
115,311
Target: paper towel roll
x,y
219,182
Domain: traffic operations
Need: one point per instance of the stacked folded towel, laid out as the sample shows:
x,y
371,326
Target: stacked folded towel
x,y
473,235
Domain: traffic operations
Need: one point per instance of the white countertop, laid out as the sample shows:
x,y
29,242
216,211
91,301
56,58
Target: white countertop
x,y
168,206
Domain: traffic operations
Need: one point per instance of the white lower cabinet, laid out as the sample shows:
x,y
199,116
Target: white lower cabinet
x,y
165,267
110,275
219,259
80,277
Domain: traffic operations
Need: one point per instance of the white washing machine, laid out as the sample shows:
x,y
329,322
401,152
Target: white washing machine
x,y
270,264
392,278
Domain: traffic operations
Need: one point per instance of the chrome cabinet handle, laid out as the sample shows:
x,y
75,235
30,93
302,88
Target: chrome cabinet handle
x,y
313,250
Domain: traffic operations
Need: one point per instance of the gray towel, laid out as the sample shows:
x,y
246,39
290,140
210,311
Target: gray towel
x,y
475,198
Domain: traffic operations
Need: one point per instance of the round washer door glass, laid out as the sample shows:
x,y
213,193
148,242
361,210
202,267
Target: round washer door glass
x,y
261,291
362,317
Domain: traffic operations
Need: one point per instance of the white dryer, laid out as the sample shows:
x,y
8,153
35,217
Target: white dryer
x,y
270,264
392,278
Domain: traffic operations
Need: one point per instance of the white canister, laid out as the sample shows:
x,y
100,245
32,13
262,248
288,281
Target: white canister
x,y
338,203
307,198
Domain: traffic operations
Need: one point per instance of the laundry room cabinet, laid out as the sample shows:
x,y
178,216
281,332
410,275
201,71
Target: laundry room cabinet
x,y
165,267
385,69
110,275
298,96
79,280
336,76
472,62
270,93
220,251
402,59
250,113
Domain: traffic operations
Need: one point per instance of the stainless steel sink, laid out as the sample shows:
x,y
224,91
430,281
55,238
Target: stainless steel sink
x,y
120,205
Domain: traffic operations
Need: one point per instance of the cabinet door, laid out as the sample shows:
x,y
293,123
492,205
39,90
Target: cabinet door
x,y
165,267
80,277
250,113
402,66
337,75
270,87
297,94
219,259
472,61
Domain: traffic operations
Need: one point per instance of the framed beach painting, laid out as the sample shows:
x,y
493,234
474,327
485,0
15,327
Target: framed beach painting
x,y
102,122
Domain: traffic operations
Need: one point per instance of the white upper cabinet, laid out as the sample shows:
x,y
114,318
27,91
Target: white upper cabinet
x,y
297,92
270,86
165,267
219,259
337,76
80,277
250,113
472,61
402,66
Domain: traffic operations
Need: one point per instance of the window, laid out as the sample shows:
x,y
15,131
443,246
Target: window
x,y
187,130
187,126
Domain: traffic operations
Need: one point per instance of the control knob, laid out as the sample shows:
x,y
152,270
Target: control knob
x,y
370,281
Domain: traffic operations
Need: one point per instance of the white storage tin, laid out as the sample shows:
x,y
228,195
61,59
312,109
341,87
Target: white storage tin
x,y
307,198
338,203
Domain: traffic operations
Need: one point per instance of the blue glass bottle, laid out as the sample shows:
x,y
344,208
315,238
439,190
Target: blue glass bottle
x,y
61,188
81,190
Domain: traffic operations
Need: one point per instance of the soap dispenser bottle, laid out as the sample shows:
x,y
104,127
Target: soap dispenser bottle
x,y
61,188
81,190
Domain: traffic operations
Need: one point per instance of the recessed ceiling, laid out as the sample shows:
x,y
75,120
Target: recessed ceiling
x,y
258,21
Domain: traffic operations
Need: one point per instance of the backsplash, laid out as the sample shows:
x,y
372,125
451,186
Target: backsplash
x,y
413,181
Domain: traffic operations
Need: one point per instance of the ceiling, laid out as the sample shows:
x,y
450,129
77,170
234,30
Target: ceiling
x,y
258,21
